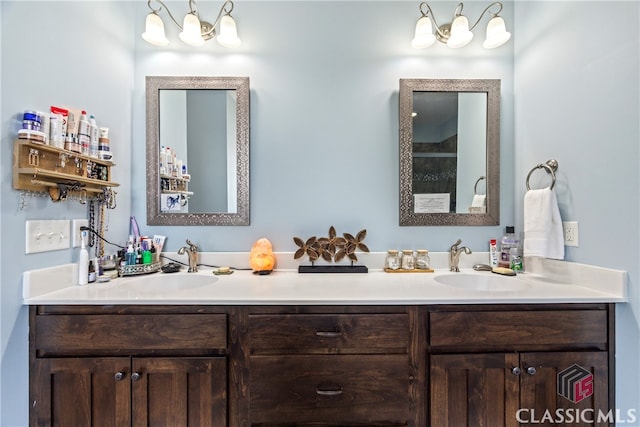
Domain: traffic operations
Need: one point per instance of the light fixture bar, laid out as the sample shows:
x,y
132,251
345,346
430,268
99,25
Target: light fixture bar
x,y
458,33
194,31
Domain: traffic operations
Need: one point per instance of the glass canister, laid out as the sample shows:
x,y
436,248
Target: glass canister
x,y
392,261
408,260
422,259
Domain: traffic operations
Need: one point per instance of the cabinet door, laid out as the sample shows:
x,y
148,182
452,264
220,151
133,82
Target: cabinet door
x,y
474,390
94,392
179,392
569,387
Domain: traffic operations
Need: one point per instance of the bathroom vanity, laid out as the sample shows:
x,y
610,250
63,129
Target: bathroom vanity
x,y
285,350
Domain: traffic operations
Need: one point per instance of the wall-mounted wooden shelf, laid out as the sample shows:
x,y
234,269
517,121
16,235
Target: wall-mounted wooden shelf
x,y
40,167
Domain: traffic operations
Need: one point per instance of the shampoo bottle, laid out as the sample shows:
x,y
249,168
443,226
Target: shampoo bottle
x,y
83,261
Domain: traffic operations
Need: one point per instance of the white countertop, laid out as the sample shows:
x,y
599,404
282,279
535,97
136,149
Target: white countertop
x,y
562,282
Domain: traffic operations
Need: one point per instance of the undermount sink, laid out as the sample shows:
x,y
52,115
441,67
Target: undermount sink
x,y
487,282
167,282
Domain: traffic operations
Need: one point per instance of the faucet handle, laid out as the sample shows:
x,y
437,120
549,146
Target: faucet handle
x,y
192,246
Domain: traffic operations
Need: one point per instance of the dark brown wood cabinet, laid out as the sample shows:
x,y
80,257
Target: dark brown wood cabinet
x,y
334,366
128,366
504,367
241,366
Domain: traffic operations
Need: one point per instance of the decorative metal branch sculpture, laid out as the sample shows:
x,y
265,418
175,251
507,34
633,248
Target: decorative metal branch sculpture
x,y
331,248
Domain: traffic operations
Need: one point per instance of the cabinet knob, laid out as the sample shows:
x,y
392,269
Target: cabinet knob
x,y
329,391
118,376
135,376
531,370
516,370
328,334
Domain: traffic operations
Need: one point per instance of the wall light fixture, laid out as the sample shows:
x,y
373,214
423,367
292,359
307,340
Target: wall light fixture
x,y
194,31
457,33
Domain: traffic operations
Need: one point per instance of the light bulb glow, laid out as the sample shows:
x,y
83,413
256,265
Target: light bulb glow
x,y
460,34
154,31
228,36
423,37
497,33
191,34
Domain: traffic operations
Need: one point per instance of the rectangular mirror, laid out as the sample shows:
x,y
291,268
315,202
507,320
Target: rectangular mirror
x,y
449,152
197,150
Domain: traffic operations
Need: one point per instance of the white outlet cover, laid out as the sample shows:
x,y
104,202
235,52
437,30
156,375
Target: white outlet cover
x,y
47,235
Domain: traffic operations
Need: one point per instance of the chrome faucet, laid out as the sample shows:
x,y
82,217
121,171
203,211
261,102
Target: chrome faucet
x,y
454,255
192,253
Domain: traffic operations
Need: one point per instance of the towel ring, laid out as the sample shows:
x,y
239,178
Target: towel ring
x,y
475,187
551,166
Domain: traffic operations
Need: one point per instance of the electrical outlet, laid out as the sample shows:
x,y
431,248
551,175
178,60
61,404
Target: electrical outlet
x,y
570,229
47,235
75,231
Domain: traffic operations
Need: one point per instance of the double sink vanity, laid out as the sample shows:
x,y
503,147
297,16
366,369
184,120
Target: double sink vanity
x,y
289,349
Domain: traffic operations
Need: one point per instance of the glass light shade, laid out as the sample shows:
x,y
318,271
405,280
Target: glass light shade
x,y
460,34
228,36
497,33
154,30
191,34
423,37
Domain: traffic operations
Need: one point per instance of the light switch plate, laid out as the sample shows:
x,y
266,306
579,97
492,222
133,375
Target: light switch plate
x,y
76,241
46,235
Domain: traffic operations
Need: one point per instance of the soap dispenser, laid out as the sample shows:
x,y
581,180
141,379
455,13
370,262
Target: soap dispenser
x,y
83,260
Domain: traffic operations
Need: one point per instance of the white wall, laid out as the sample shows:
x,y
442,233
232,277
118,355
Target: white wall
x,y
576,101
60,53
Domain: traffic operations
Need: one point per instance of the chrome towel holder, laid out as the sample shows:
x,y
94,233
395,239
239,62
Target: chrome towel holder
x,y
551,166
475,187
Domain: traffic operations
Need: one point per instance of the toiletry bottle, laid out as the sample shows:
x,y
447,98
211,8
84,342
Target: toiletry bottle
x,y
516,260
83,260
509,240
493,253
131,254
93,136
92,272
84,134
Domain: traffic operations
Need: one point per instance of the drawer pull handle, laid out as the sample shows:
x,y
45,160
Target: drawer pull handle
x,y
516,371
531,370
135,376
328,391
328,334
119,376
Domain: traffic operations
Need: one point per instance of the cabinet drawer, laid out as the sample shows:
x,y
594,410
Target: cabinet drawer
x,y
129,333
329,333
512,330
336,389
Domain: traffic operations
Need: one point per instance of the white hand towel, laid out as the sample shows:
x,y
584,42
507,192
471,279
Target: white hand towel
x,y
478,201
543,235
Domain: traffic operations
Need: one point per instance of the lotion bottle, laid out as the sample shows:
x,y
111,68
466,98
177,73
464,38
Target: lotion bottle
x,y
83,261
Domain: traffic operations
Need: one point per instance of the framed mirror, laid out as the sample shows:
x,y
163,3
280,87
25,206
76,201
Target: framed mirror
x,y
197,150
449,152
